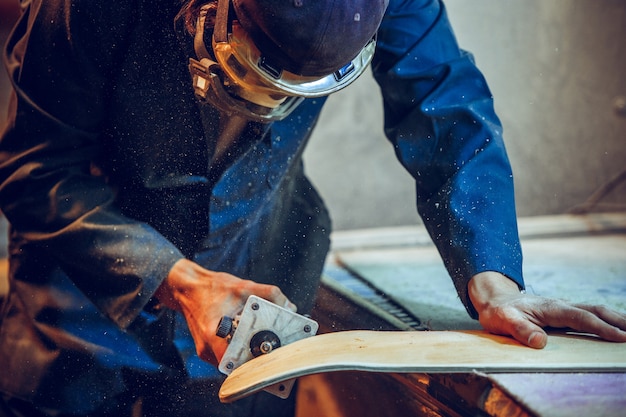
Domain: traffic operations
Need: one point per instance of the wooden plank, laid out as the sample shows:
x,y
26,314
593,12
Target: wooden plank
x,y
424,352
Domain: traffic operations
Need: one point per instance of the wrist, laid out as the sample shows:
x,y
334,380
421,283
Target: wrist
x,y
176,281
487,286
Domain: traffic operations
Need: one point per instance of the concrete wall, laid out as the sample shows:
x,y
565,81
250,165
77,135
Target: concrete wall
x,y
557,70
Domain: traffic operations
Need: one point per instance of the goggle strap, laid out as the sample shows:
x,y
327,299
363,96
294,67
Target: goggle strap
x,y
220,33
198,41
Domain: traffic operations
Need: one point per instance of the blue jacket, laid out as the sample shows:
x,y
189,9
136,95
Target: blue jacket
x,y
105,178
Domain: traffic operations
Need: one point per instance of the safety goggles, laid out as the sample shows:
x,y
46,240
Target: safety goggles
x,y
246,66
213,87
244,82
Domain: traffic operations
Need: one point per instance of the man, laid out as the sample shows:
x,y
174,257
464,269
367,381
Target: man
x,y
149,194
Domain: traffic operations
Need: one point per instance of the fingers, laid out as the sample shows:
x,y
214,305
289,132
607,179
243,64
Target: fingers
x,y
268,292
604,322
236,292
524,318
277,297
598,320
608,315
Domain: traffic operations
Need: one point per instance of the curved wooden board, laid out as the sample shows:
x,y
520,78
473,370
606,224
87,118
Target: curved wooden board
x,y
424,352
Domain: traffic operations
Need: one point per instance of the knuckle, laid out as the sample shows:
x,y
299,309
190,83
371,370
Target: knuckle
x,y
504,313
551,305
579,315
275,292
600,310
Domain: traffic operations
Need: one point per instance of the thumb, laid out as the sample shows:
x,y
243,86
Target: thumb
x,y
510,322
529,334
537,339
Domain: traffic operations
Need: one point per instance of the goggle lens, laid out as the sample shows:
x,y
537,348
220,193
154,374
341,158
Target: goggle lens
x,y
247,56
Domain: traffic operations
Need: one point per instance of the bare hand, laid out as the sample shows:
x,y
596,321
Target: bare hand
x,y
204,297
502,309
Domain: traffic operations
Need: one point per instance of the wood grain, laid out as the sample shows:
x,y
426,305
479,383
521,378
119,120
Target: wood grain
x,y
424,352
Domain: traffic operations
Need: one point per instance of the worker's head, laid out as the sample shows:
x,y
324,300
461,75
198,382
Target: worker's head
x,y
261,57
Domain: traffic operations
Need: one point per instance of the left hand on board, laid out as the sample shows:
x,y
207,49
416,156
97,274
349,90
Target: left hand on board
x,y
504,310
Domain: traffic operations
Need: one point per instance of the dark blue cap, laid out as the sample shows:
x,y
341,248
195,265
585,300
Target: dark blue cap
x,y
310,37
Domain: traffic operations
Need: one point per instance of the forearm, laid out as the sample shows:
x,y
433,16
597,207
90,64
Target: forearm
x,y
439,115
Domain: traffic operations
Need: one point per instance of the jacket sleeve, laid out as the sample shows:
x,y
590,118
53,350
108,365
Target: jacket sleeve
x,y
440,119
60,57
